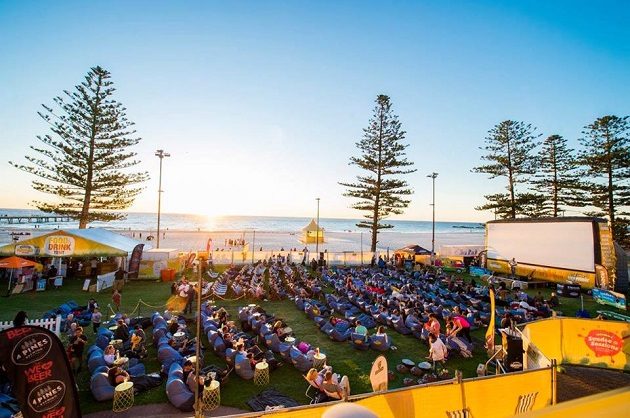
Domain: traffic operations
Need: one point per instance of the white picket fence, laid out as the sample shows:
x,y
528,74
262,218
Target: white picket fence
x,y
53,324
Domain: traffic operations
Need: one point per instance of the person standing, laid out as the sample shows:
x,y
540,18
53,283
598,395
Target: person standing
x,y
116,299
75,350
513,265
96,319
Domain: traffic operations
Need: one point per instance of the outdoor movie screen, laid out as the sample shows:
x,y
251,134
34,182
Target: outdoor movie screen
x,y
567,245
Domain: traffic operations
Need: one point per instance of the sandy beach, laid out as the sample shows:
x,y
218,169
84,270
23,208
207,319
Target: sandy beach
x,y
275,241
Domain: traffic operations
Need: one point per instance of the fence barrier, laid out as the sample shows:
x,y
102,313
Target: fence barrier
x,y
52,324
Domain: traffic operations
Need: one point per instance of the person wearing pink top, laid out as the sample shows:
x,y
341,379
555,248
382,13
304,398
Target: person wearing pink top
x,y
461,326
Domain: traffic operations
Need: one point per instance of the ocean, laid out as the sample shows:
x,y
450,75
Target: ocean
x,y
187,222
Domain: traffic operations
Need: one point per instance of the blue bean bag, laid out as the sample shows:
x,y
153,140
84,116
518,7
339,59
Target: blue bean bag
x,y
177,392
339,336
300,360
380,343
219,346
100,387
360,341
168,355
274,343
102,341
399,325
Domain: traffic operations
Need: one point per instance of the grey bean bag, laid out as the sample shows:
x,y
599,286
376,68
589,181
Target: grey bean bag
x,y
243,368
300,360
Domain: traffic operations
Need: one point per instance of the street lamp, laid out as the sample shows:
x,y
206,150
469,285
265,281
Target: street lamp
x,y
161,155
433,176
317,232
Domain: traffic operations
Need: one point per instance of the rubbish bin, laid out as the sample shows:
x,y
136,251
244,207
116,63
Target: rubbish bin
x,y
167,275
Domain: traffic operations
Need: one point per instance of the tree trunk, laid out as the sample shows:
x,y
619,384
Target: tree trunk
x,y
609,170
378,186
510,177
85,210
555,182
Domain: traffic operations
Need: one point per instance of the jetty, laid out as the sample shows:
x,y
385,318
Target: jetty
x,y
34,219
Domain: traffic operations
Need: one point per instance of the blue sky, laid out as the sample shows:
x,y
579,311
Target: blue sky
x,y
261,103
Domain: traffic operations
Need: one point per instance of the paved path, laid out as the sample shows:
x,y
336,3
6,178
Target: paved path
x,y
162,411
577,382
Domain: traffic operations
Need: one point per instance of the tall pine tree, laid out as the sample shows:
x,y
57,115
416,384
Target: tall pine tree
x,y
509,147
85,162
380,191
606,158
556,178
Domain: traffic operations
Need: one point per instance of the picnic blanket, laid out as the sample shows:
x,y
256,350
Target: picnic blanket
x,y
270,398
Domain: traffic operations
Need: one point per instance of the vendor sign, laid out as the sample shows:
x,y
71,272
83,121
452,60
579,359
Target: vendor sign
x,y
25,250
59,245
606,297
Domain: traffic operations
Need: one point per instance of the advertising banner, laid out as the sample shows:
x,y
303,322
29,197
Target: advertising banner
x,y
378,374
25,250
59,245
37,366
596,343
606,297
134,262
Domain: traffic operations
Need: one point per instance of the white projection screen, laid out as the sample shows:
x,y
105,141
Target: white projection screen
x,y
567,245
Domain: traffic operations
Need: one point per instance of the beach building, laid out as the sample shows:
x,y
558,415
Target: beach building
x,y
313,233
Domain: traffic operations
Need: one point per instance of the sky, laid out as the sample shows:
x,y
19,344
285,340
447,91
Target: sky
x,y
260,104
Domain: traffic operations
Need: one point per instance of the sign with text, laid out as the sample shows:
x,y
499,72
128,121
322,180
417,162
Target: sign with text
x,y
25,250
37,366
606,297
59,245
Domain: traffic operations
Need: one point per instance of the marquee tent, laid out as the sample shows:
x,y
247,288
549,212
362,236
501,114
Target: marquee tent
x,y
92,242
313,232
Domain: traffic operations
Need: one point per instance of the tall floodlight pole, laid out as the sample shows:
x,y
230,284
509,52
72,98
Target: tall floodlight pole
x,y
161,155
317,232
433,176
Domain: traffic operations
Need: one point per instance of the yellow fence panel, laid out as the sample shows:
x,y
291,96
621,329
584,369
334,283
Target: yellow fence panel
x,y
506,395
596,343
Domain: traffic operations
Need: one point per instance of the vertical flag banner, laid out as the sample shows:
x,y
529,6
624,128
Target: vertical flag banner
x,y
37,366
491,325
134,261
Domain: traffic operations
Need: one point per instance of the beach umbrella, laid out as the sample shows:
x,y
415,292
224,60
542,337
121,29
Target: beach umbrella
x,y
14,263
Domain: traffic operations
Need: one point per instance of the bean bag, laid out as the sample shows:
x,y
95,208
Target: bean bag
x,y
102,342
212,335
243,368
256,323
137,369
327,327
339,336
105,331
320,320
167,356
229,356
399,326
95,360
367,321
100,369
299,302
380,343
179,395
360,341
274,343
100,387
264,330
459,345
300,360
219,346
92,349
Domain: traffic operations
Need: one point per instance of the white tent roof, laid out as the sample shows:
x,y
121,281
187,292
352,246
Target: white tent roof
x,y
109,238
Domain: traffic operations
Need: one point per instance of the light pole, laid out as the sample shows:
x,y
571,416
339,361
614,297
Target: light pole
x,y
317,232
433,176
161,155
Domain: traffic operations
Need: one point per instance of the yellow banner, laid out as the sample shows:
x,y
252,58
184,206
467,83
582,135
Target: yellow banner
x,y
491,325
585,342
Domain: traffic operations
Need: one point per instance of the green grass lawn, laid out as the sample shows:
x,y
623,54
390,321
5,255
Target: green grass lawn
x,y
344,359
